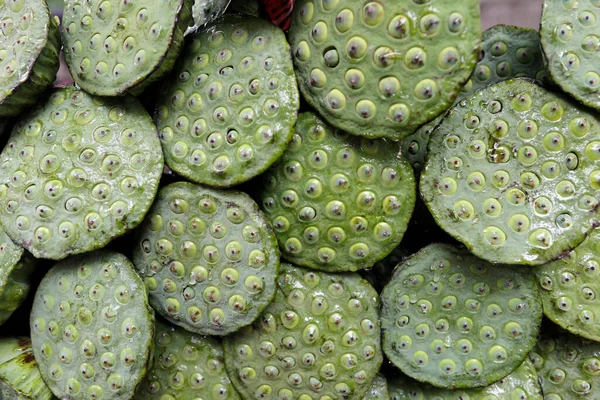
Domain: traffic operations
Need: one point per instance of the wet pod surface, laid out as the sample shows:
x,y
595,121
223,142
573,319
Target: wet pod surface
x,y
77,172
513,172
456,321
208,258
319,338
383,69
338,202
92,327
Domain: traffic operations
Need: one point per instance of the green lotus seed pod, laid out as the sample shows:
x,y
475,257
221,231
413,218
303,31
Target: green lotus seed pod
x,y
567,366
383,69
508,52
568,288
206,11
115,46
320,335
455,321
338,202
208,258
92,327
229,109
569,39
521,384
20,377
186,367
29,47
77,172
379,274
378,389
525,190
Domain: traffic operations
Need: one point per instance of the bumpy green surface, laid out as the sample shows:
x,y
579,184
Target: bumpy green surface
x,y
208,257
186,367
569,288
29,47
77,172
115,46
16,270
338,202
319,339
92,327
508,52
383,69
229,110
378,389
205,11
20,377
569,37
521,384
456,321
513,172
568,367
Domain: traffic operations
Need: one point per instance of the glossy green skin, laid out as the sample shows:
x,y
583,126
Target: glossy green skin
x,y
337,202
383,69
92,327
569,30
567,366
320,336
205,11
520,384
569,287
513,173
378,389
208,257
77,172
229,109
186,367
455,321
508,52
113,46
29,43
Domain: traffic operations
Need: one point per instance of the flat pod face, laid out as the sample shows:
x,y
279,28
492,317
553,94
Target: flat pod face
x,y
77,172
455,321
337,202
24,26
513,173
320,338
92,327
112,45
570,41
521,384
568,366
382,69
569,287
186,367
229,110
208,258
508,52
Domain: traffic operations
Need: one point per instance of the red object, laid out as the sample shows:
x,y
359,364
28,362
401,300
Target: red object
x,y
279,11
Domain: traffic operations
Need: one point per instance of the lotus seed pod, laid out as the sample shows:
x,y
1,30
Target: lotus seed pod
x,y
521,384
208,257
29,47
229,110
570,40
186,367
378,389
77,172
115,46
568,366
319,337
383,69
16,270
92,327
455,321
206,11
507,52
513,172
379,274
338,202
568,288
20,377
